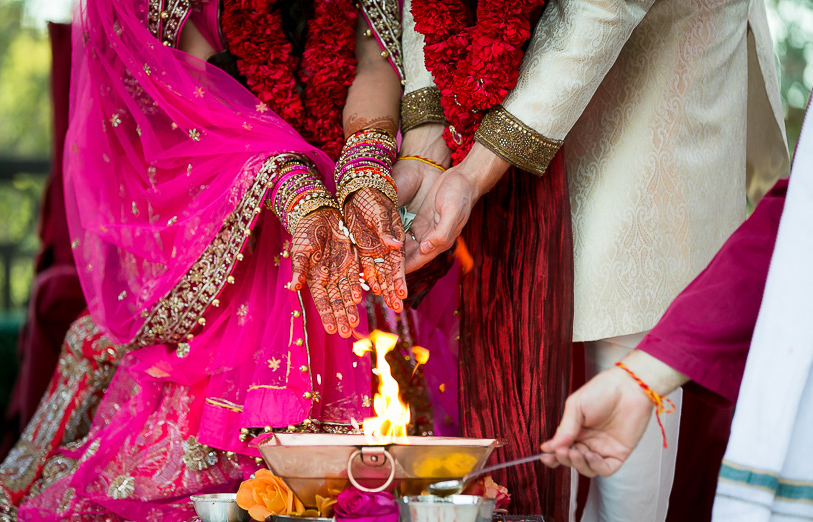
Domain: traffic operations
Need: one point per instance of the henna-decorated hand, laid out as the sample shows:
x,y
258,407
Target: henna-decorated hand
x,y
376,228
324,258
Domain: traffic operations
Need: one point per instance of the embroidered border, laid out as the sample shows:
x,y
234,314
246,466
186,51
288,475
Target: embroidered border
x,y
180,311
177,13
154,17
507,137
421,106
383,17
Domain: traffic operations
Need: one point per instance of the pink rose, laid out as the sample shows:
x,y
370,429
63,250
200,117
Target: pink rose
x,y
352,504
486,487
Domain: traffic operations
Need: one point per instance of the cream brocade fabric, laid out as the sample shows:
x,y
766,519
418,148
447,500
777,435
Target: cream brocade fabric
x,y
415,74
653,99
664,107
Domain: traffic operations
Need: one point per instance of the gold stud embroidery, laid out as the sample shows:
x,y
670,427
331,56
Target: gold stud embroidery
x,y
509,138
421,106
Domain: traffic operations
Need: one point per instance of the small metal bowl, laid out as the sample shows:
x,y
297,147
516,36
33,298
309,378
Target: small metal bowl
x,y
455,508
219,507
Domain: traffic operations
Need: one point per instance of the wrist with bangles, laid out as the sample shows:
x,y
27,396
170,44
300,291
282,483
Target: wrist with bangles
x,y
296,189
366,162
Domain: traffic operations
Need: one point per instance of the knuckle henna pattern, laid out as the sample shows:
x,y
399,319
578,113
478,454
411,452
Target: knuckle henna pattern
x,y
322,255
369,214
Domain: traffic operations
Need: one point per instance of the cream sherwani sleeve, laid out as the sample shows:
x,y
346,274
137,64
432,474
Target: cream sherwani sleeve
x,y
573,47
421,102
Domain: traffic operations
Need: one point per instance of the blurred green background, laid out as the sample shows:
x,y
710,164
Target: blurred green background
x,y
25,131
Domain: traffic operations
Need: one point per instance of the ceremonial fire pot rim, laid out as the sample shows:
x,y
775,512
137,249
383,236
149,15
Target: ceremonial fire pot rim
x,y
323,464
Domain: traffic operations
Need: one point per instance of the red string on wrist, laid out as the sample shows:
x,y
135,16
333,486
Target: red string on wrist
x,y
662,404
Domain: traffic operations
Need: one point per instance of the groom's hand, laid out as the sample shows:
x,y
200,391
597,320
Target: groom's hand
x,y
446,208
413,178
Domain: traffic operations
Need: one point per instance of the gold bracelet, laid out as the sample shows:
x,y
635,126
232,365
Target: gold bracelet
x,y
367,181
306,207
423,160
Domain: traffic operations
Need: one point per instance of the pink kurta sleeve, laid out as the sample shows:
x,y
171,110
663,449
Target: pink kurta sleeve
x,y
706,331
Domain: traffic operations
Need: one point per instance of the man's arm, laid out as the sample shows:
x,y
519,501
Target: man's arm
x,y
704,336
574,45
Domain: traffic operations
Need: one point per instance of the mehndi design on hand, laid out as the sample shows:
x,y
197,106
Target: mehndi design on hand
x,y
324,257
376,228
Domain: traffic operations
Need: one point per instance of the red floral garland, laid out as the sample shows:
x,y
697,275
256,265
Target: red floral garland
x,y
254,32
474,66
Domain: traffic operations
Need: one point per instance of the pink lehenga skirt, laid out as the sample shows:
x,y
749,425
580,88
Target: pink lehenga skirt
x,y
169,424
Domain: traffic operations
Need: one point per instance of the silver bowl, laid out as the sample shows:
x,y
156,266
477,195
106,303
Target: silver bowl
x,y
219,507
455,508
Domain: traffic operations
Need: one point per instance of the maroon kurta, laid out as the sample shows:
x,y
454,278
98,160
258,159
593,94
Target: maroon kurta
x,y
705,334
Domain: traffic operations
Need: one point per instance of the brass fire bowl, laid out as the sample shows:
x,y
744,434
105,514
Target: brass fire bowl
x,y
314,464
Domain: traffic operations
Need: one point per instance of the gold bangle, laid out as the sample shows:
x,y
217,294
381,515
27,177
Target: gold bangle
x,y
367,181
306,207
423,160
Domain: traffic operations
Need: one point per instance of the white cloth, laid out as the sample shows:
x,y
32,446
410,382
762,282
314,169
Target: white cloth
x,y
639,491
659,122
767,473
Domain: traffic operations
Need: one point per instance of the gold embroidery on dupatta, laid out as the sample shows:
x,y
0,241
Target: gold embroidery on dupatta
x,y
384,18
180,311
197,456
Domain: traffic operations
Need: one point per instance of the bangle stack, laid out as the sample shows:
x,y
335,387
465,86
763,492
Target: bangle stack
x,y
297,190
366,161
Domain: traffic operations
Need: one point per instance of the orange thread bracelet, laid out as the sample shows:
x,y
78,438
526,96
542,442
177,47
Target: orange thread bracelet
x,y
424,160
659,400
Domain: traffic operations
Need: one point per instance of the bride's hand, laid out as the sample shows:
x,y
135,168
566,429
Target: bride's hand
x,y
323,257
376,228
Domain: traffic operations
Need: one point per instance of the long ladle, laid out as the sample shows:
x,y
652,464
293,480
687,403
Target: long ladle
x,y
453,487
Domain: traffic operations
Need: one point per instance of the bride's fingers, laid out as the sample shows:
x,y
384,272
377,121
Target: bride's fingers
x,y
370,275
339,312
356,292
300,263
349,303
398,270
322,303
389,270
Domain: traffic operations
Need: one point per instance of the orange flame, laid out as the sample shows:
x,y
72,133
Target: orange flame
x,y
362,346
392,415
421,357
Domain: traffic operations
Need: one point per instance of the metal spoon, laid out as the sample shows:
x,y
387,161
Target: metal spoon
x,y
453,487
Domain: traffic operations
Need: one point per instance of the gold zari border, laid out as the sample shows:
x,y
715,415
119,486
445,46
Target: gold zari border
x,y
181,310
509,138
419,107
384,18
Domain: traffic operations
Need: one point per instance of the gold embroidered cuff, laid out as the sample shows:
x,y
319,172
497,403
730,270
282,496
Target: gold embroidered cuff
x,y
419,107
515,142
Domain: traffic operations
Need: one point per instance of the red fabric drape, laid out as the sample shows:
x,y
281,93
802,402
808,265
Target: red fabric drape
x,y
516,327
56,297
